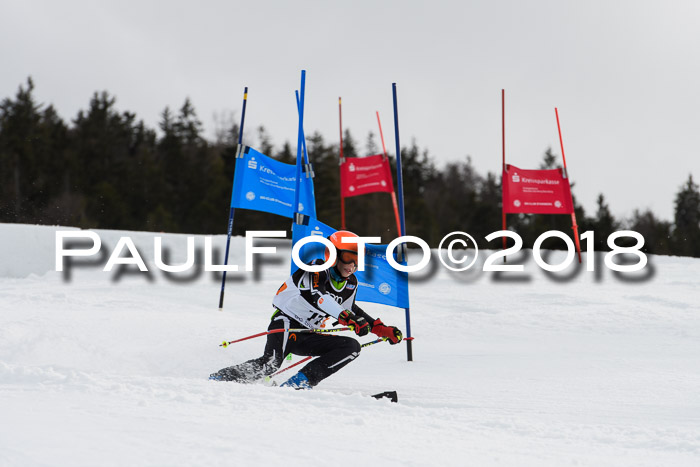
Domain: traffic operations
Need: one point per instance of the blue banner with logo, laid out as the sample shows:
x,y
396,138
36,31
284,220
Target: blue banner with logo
x,y
379,282
261,183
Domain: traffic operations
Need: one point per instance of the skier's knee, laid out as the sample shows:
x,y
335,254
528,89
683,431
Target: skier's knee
x,y
349,346
354,347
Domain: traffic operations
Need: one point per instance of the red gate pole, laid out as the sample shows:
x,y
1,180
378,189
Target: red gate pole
x,y
574,226
503,171
393,194
340,163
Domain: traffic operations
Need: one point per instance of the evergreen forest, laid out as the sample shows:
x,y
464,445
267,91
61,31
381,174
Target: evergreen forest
x,y
106,170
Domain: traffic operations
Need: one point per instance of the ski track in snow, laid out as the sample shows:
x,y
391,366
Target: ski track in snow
x,y
592,372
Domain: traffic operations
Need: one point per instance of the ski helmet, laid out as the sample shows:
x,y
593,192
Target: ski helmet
x,y
347,252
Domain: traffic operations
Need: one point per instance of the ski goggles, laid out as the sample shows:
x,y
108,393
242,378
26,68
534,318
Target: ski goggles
x,y
347,257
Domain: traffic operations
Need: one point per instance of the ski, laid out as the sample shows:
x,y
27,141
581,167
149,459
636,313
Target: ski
x,y
392,395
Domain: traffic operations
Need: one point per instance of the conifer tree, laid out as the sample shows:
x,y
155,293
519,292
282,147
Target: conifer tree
x,y
686,234
603,224
656,233
32,149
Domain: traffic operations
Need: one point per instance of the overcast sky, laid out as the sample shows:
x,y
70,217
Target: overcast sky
x,y
625,76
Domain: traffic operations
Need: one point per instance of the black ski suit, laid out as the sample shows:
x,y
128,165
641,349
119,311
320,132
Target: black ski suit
x,y
305,300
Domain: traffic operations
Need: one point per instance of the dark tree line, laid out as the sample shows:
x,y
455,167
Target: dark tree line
x,y
106,169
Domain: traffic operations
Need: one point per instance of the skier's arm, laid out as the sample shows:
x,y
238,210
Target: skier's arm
x,y
391,333
360,312
356,322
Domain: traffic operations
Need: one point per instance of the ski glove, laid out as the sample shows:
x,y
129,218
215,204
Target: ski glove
x,y
358,323
391,333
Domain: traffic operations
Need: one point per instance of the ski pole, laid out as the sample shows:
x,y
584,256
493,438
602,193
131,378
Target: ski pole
x,y
377,341
304,330
367,344
267,378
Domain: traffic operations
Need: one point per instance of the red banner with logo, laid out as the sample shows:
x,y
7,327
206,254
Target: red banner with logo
x,y
536,191
362,175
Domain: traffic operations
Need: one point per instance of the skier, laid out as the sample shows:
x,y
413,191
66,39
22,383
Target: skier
x,y
306,300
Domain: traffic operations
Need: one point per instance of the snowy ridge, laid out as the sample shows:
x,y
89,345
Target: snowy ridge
x,y
595,370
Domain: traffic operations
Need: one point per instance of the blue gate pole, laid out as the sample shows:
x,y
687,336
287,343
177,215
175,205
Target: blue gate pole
x,y
300,143
306,154
399,180
231,212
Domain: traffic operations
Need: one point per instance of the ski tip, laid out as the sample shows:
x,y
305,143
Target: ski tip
x,y
391,395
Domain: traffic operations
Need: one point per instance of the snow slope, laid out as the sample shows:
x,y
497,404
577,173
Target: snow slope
x,y
518,369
